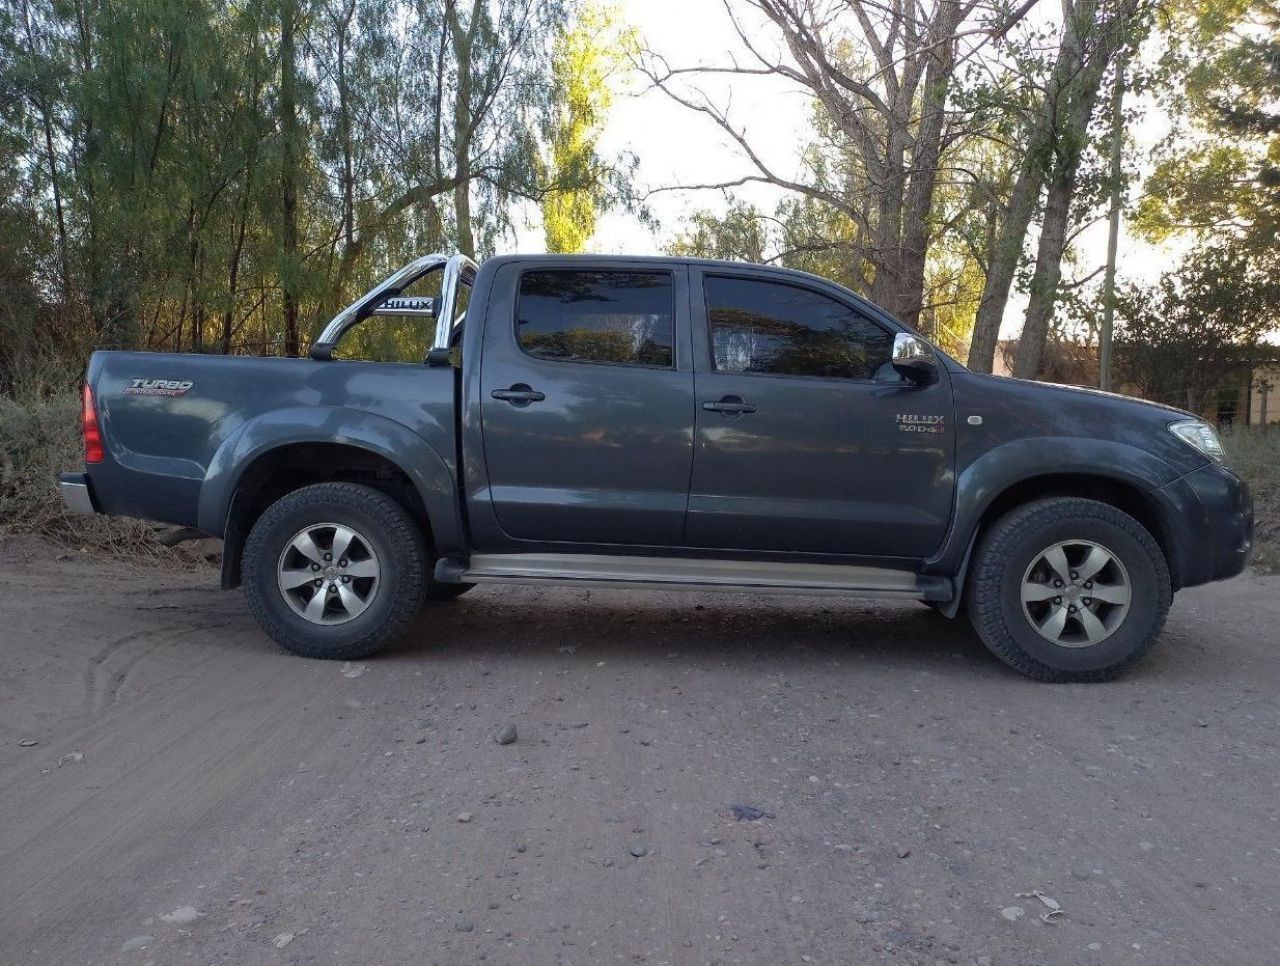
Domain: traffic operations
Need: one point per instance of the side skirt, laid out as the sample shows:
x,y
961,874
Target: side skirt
x,y
680,573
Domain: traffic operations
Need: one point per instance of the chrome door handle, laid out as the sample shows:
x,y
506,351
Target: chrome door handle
x,y
519,395
729,406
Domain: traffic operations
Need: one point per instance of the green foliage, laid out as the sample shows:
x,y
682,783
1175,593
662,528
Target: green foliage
x,y
740,234
146,154
587,58
1218,173
1181,339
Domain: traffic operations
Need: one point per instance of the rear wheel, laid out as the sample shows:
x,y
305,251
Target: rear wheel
x,y
334,570
1068,589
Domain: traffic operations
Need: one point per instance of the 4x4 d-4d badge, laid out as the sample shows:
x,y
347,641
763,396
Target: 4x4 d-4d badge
x,y
918,423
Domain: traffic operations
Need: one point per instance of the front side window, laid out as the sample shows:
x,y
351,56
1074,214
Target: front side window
x,y
770,327
619,317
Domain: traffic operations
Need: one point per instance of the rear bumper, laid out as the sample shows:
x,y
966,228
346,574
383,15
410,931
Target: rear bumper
x,y
1212,526
76,492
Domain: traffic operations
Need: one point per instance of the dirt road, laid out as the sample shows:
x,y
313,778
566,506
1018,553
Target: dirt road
x,y
196,796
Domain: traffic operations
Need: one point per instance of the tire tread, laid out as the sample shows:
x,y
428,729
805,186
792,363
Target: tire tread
x,y
411,563
986,576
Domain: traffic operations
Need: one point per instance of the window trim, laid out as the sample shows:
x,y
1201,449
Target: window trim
x,y
788,283
570,270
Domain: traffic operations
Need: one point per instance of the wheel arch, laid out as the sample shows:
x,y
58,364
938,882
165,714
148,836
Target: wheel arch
x,y
1015,474
260,463
1124,495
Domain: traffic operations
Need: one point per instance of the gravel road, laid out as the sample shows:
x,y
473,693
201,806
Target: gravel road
x,y
196,796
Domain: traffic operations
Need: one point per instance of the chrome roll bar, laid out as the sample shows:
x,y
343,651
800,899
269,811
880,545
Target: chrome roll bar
x,y
457,269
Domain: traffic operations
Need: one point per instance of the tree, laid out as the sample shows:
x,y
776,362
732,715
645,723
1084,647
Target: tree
x,y
290,160
881,77
1218,172
1073,109
1191,333
211,176
740,234
1050,134
587,56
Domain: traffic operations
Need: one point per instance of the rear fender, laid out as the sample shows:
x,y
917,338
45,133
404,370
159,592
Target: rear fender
x,y
430,474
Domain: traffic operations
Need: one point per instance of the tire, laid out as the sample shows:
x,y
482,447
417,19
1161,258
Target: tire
x,y
360,615
438,593
1015,559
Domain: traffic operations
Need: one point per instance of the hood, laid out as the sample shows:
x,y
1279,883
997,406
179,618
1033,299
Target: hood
x,y
1010,409
1102,394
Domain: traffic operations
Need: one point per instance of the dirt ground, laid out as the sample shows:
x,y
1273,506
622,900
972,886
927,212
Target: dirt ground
x,y
197,796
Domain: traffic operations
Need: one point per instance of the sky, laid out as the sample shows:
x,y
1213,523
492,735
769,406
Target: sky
x,y
676,146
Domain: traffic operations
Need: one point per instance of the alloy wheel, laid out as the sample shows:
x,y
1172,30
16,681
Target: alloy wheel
x,y
1076,593
328,573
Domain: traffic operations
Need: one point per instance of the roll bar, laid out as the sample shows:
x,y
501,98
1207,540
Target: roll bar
x,y
457,270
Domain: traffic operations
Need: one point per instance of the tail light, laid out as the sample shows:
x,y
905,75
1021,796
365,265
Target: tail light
x,y
92,433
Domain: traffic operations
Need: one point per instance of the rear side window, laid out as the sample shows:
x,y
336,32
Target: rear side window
x,y
770,327
625,318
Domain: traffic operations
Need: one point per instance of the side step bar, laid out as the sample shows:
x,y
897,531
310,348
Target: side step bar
x,y
681,573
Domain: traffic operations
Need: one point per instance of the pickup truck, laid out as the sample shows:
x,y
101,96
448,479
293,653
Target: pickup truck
x,y
666,423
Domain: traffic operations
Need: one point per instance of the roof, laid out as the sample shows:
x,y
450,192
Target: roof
x,y
711,263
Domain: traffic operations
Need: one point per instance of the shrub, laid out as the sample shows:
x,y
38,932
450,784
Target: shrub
x,y
40,437
1256,457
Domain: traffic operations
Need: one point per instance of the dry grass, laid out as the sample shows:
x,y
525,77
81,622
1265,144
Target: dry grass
x,y
40,437
1256,457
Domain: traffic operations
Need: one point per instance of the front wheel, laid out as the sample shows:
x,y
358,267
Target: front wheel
x,y
334,570
1068,589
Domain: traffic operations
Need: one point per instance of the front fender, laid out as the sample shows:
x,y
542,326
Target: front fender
x,y
428,470
980,483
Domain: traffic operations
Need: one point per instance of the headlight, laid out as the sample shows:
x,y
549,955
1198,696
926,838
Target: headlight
x,y
1201,435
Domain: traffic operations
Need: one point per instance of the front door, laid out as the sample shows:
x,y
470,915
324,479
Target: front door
x,y
587,404
806,438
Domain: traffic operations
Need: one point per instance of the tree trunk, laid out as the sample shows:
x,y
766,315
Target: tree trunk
x,y
233,279
1026,190
289,176
925,157
344,122
462,133
1048,273
886,253
64,265
1072,136
237,252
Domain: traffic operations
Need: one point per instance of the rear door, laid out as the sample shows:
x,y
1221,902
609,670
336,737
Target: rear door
x,y
806,439
587,402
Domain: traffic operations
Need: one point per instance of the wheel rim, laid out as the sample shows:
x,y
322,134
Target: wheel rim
x,y
1076,593
328,573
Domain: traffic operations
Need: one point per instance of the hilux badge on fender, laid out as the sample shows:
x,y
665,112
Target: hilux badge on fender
x,y
919,423
158,387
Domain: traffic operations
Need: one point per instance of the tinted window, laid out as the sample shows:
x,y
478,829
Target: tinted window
x,y
619,317
767,327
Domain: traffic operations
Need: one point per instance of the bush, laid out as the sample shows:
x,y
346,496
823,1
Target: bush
x,y
1256,457
39,438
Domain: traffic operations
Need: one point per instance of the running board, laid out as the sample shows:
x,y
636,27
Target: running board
x,y
683,573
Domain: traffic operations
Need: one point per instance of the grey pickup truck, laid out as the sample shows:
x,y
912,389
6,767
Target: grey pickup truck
x,y
663,423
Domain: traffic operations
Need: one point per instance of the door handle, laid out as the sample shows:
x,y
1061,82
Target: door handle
x,y
519,395
729,406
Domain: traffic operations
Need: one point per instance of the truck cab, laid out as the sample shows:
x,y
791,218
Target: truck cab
x,y
672,423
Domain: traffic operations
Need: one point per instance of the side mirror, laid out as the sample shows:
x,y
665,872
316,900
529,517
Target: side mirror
x,y
914,359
